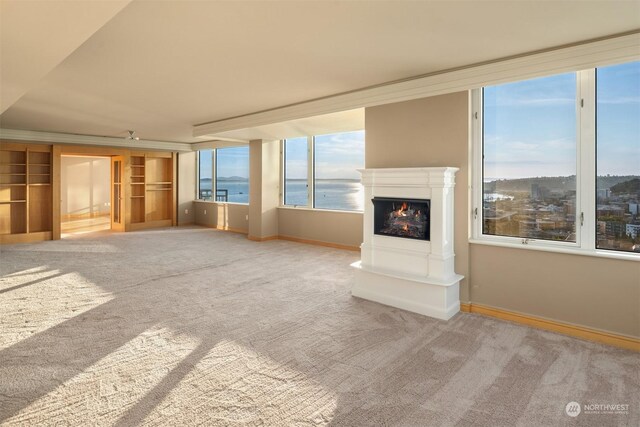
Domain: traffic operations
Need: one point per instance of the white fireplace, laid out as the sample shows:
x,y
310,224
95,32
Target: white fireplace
x,y
409,270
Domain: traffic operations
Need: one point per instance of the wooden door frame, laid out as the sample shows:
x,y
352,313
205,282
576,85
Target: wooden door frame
x,y
117,226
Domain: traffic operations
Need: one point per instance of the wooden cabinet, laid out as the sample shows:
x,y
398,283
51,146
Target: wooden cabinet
x,y
25,192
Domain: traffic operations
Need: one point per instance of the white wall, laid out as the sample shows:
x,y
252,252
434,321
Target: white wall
x,y
85,186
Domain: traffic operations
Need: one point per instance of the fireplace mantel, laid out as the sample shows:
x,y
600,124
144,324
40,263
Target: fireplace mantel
x,y
415,275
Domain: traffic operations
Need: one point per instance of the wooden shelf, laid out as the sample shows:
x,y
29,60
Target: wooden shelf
x,y
39,184
137,176
160,183
19,174
12,185
137,197
137,166
158,189
39,164
137,183
13,201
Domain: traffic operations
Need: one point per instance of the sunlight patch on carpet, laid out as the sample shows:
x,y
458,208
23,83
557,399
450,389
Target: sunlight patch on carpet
x,y
32,302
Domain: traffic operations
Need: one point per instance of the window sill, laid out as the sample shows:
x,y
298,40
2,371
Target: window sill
x,y
220,203
598,253
305,208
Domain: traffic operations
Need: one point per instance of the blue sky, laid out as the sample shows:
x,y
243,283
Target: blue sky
x,y
530,126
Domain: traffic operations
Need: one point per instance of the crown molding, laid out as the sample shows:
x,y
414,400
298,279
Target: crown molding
x,y
608,51
102,141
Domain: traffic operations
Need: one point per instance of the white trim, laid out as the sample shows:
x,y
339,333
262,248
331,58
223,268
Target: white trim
x,y
573,58
586,189
306,208
282,172
599,253
311,171
102,141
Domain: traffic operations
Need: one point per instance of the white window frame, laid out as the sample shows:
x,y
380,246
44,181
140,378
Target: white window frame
x,y
585,243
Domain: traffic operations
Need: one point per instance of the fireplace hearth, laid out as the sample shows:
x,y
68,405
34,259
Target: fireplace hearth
x,y
406,218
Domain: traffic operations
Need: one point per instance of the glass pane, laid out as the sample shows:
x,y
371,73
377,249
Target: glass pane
x,y
529,168
295,172
117,190
618,157
232,174
206,174
337,181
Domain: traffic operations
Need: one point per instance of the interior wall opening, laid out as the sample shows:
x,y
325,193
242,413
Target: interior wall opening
x,y
85,193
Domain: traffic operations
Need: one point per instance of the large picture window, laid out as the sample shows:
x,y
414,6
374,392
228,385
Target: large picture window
x,y
223,174
557,161
321,171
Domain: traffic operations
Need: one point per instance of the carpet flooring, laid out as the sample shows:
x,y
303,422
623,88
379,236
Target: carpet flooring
x,y
193,326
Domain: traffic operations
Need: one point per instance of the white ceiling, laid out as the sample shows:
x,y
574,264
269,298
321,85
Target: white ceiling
x,y
162,67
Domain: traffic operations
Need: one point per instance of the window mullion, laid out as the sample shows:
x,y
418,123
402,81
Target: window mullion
x,y
283,171
214,172
311,171
586,167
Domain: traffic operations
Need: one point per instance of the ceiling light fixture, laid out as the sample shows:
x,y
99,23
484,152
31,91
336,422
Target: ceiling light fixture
x,y
132,135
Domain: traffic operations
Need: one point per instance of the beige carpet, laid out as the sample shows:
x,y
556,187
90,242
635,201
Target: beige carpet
x,y
200,327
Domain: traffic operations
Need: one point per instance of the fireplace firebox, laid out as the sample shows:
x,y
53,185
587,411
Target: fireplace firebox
x,y
406,218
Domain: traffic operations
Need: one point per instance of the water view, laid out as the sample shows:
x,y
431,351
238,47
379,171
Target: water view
x,y
338,194
234,191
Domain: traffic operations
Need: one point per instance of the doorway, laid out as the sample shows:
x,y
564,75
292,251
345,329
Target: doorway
x,y
86,195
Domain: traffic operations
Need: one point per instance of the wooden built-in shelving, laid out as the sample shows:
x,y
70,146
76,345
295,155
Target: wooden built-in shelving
x,y
152,190
25,192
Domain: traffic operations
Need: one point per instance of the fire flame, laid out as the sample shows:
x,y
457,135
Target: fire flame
x,y
405,227
403,208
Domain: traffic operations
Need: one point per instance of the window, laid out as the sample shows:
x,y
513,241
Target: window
x,y
529,171
205,174
618,156
232,174
557,161
296,172
337,181
226,170
321,171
